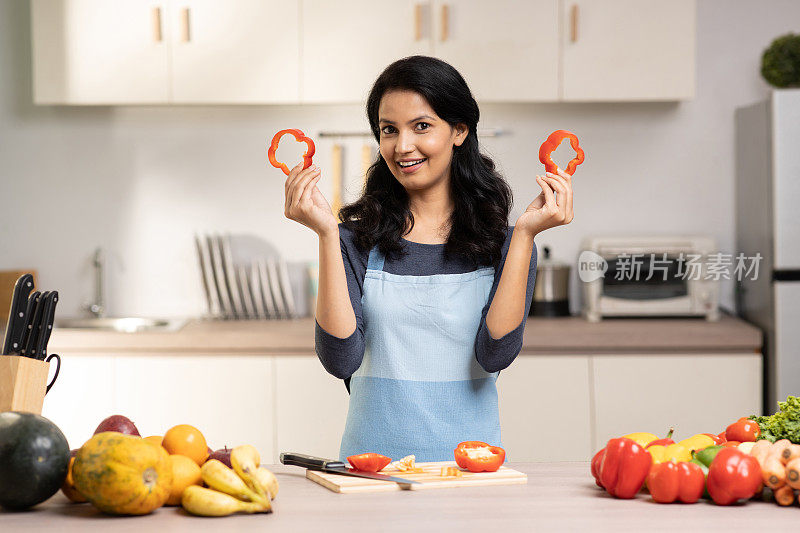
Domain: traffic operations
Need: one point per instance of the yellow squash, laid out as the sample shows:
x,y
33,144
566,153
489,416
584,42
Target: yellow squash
x,y
121,474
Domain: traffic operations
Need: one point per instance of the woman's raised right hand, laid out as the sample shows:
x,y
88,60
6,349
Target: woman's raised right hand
x,y
305,203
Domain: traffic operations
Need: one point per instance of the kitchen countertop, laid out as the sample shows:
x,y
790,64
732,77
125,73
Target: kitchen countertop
x,y
557,497
542,336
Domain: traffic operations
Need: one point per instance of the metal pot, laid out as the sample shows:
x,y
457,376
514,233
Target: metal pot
x,y
551,291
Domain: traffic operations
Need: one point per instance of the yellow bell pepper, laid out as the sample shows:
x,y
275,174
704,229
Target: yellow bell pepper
x,y
697,442
642,439
672,452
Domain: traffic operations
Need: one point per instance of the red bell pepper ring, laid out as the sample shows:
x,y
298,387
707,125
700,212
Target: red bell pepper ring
x,y
552,142
624,467
733,475
670,481
369,462
301,137
489,459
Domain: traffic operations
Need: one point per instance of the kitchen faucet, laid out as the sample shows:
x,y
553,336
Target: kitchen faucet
x,y
97,307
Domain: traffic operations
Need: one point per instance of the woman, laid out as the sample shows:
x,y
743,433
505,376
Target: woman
x,y
423,288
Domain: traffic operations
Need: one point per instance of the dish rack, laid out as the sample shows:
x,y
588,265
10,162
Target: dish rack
x,y
244,278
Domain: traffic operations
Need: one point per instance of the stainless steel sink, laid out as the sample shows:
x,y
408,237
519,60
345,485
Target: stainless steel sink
x,y
123,324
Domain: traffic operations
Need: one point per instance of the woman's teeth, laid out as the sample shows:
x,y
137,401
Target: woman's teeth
x,y
410,163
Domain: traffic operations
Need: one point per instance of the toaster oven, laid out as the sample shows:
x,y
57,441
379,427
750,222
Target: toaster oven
x,y
657,276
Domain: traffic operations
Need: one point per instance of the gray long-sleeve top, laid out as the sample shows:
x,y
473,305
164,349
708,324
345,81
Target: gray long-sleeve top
x,y
342,356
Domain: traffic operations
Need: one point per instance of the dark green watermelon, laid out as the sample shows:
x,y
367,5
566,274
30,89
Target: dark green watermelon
x,y
34,456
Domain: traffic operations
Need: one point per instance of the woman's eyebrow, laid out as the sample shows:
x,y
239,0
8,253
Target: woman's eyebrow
x,y
410,121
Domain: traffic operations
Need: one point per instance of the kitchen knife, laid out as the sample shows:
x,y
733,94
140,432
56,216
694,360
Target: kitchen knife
x,y
30,305
48,316
338,467
17,315
34,321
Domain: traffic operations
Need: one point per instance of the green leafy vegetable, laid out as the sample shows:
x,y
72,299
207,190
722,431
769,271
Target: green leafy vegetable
x,y
780,63
785,424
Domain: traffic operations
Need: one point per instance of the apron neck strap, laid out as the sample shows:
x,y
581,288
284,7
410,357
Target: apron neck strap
x,y
376,260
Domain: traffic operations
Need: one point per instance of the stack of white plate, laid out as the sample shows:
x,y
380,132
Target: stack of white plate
x,y
245,278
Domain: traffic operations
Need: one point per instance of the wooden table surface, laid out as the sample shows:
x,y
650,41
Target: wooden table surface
x,y
557,497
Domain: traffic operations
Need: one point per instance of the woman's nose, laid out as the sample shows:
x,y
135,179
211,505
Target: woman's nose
x,y
405,142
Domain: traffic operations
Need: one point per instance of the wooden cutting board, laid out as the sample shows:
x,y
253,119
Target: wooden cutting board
x,y
430,479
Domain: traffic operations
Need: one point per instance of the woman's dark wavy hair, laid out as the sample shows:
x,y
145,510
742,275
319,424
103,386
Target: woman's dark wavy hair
x,y
482,198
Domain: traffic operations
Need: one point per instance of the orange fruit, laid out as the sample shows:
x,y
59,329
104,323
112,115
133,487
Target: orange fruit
x,y
186,440
155,439
185,472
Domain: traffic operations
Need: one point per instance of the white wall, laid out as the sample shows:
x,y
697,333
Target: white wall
x,y
141,180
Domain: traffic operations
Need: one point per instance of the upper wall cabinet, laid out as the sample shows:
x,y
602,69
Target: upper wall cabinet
x,y
174,51
624,50
506,50
236,51
321,51
347,43
90,52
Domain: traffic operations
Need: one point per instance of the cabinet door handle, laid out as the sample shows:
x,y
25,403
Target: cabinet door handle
x,y
417,22
186,34
574,14
445,22
158,35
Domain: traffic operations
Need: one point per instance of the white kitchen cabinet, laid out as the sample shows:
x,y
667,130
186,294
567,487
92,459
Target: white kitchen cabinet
x,y
172,51
229,398
506,50
625,50
90,52
347,44
545,408
694,393
82,396
235,52
311,407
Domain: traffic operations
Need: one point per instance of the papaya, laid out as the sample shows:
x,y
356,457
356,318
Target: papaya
x,y
68,487
122,474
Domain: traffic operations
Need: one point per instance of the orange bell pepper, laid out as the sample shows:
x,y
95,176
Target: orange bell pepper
x,y
477,456
301,137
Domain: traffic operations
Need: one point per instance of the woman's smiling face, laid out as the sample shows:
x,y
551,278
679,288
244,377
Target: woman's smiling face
x,y
416,144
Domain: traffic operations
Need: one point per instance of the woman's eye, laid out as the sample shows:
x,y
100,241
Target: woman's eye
x,y
387,130
423,124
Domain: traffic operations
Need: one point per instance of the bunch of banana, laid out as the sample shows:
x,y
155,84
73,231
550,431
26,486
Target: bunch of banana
x,y
247,488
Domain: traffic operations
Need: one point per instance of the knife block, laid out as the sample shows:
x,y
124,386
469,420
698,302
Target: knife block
x,y
23,383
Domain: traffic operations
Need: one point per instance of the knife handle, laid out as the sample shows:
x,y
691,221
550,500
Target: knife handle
x,y
309,461
17,315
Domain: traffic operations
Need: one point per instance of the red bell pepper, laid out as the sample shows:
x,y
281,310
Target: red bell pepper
x,y
597,460
743,430
670,481
718,439
301,137
477,456
552,143
369,462
624,467
733,476
663,442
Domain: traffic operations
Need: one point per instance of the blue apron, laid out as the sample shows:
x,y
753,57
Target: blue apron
x,y
419,389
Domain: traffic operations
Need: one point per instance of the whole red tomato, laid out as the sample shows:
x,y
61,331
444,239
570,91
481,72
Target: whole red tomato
x,y
743,430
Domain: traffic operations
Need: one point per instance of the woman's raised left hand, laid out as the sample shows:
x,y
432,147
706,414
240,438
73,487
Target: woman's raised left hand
x,y
553,207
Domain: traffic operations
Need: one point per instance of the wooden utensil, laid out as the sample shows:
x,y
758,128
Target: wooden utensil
x,y
336,178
